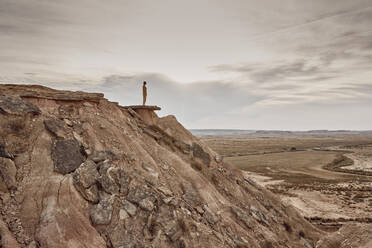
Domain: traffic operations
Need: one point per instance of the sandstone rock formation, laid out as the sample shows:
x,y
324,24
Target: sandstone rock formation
x,y
79,171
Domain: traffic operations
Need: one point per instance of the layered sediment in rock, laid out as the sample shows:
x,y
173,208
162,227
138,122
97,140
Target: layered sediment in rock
x,y
80,171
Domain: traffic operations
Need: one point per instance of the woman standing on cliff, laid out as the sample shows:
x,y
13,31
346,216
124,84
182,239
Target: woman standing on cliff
x,y
144,92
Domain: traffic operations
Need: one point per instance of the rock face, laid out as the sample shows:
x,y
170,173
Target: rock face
x,y
107,177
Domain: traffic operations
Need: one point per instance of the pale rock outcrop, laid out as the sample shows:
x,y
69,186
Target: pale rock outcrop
x,y
86,174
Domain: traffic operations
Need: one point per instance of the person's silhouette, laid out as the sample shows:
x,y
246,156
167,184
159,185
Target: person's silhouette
x,y
144,92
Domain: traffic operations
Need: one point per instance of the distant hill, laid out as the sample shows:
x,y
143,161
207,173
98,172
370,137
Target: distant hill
x,y
205,132
200,132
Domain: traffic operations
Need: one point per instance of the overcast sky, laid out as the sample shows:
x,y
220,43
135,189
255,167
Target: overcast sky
x,y
247,64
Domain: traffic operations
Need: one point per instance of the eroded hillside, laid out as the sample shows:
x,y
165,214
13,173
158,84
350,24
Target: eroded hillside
x,y
80,171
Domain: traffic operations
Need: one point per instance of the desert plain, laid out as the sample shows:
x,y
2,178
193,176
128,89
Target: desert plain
x,y
326,175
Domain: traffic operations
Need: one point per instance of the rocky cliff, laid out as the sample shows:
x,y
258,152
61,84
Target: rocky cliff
x,y
77,170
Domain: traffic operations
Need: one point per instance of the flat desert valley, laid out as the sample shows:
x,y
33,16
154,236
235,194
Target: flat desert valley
x,y
327,175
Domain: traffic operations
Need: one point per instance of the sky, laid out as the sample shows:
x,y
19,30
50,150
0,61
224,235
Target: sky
x,y
238,64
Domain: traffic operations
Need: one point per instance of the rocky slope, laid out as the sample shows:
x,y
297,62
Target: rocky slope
x,y
77,170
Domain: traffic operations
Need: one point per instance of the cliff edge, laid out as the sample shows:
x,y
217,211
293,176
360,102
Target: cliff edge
x,y
80,171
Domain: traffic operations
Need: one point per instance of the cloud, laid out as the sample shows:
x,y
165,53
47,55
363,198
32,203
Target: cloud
x,y
221,104
279,72
190,102
330,62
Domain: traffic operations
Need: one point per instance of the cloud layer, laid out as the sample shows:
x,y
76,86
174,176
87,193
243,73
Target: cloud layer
x,y
259,64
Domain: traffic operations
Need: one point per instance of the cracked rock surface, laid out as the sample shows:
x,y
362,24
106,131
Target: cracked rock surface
x,y
79,171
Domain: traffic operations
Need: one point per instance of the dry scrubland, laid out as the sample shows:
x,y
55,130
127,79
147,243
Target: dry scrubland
x,y
327,175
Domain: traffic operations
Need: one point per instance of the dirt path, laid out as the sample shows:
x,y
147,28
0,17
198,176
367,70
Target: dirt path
x,y
317,170
292,167
360,162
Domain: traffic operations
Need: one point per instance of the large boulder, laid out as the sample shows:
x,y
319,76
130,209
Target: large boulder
x,y
85,178
66,155
86,174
